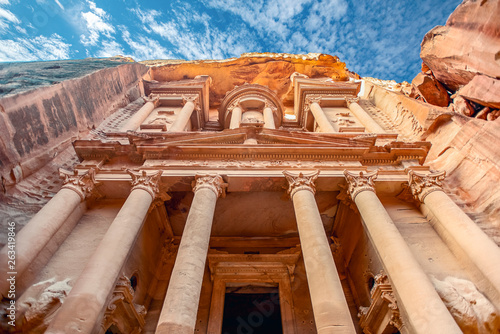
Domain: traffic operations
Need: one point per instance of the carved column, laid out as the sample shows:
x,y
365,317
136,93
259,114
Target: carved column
x,y
419,301
269,117
184,115
83,309
136,120
33,238
457,229
331,312
235,117
180,306
319,115
365,119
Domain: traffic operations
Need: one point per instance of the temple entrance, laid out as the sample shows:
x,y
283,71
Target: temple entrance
x,y
246,313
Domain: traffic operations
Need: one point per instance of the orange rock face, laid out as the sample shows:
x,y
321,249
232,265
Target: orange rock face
x,y
466,46
271,70
432,91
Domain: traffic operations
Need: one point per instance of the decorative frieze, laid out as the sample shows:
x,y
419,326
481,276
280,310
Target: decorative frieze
x,y
212,182
301,182
149,183
422,184
83,183
358,182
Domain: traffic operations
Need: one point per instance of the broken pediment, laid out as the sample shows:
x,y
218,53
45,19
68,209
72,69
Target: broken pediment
x,y
252,143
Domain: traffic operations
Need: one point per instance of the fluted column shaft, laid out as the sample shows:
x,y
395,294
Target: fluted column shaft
x,y
180,306
417,297
183,117
268,118
84,306
319,115
363,117
33,238
136,120
331,312
235,118
452,223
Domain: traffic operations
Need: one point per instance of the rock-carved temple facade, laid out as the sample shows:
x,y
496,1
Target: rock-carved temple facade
x,y
312,211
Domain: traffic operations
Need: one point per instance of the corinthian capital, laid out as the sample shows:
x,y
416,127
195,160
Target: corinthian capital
x,y
350,100
422,185
213,182
83,183
301,182
358,182
149,183
154,98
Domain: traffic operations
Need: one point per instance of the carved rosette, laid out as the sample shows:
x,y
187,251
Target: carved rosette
x,y
301,182
213,182
358,182
350,100
149,183
154,98
422,185
83,183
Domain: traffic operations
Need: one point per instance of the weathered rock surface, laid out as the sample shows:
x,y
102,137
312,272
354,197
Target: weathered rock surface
x,y
269,69
431,90
466,46
483,90
36,125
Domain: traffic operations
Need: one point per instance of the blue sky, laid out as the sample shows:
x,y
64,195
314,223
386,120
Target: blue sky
x,y
377,38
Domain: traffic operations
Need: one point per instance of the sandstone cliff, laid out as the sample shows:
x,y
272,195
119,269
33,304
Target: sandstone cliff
x,y
464,58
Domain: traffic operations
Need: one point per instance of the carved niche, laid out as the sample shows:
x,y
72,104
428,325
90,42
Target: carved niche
x,y
122,312
382,316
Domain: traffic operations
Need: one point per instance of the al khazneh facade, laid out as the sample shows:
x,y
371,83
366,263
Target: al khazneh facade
x,y
310,211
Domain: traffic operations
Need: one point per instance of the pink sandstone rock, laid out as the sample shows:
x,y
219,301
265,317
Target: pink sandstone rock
x,y
431,90
466,46
483,90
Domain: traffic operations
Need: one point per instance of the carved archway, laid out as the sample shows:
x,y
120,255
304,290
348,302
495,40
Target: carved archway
x,y
250,97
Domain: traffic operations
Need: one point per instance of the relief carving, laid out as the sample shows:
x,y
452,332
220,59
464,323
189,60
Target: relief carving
x,y
149,183
301,182
422,185
358,182
472,311
212,182
83,183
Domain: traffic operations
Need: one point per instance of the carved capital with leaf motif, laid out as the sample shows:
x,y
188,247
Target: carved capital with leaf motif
x,y
149,183
422,185
194,98
213,182
301,182
153,98
82,183
350,100
359,182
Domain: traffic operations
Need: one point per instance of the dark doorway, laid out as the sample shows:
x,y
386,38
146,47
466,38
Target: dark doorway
x,y
248,313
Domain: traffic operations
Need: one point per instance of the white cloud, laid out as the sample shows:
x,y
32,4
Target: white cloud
x,y
202,42
144,48
110,48
59,4
4,2
37,48
96,21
